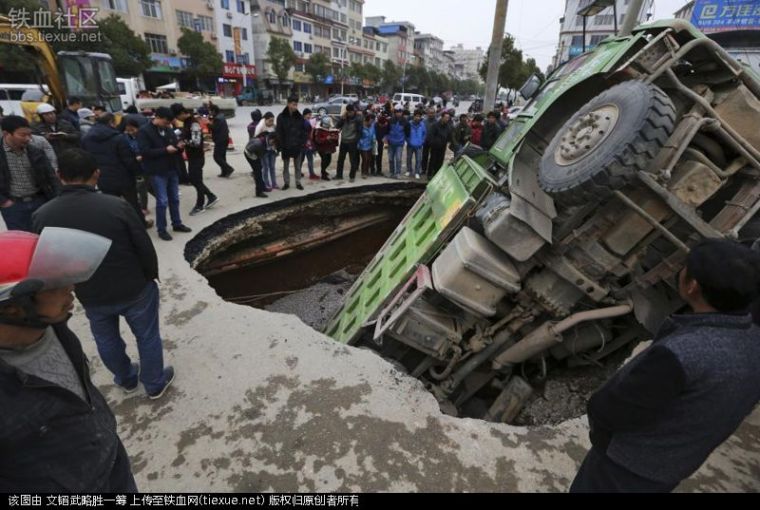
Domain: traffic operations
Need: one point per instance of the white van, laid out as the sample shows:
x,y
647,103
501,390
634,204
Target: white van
x,y
11,95
414,100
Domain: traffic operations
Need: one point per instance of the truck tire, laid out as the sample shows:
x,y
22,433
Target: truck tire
x,y
603,146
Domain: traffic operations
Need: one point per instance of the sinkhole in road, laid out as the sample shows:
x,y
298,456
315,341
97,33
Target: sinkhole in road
x,y
300,255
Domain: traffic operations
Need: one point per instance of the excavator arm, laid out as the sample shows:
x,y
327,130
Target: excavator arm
x,y
45,58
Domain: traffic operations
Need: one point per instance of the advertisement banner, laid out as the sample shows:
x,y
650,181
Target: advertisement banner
x,y
723,15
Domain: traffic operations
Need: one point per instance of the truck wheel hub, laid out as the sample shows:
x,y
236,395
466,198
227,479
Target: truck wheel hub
x,y
586,134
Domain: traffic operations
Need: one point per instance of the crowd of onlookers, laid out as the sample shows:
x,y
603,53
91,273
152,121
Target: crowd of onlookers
x,y
362,137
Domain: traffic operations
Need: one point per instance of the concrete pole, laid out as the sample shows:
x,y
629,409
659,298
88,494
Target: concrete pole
x,y
494,58
631,17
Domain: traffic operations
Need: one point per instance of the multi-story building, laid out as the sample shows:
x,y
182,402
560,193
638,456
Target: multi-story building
x,y
467,62
449,64
429,49
270,19
234,41
600,24
400,38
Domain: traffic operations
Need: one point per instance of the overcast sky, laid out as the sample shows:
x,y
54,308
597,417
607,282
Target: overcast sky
x,y
534,23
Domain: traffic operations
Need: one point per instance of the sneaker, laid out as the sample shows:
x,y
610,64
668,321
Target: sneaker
x,y
262,195
134,383
182,228
314,177
163,234
326,177
197,210
212,202
351,179
416,176
169,378
409,174
285,188
299,187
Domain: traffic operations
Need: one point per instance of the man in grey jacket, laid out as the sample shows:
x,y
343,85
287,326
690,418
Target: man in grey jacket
x,y
659,418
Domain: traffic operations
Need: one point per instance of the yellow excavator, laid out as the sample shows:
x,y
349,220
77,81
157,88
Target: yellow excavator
x,y
89,76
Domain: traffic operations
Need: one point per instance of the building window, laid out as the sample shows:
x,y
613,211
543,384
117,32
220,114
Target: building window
x,y
604,19
226,4
300,68
207,23
285,20
241,6
336,53
307,48
185,19
596,39
157,43
297,46
307,28
343,18
244,59
296,25
272,18
115,5
151,8
377,61
229,56
227,30
244,34
577,41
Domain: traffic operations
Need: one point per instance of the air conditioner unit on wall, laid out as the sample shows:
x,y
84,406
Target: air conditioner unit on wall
x,y
210,5
229,14
214,37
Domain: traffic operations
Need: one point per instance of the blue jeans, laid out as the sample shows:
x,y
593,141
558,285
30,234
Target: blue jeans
x,y
19,215
141,315
268,173
308,156
166,188
394,158
417,153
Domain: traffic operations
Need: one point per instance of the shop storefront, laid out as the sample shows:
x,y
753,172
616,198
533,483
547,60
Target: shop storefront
x,y
234,78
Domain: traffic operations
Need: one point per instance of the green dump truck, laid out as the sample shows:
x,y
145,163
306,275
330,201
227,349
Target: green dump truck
x,y
560,246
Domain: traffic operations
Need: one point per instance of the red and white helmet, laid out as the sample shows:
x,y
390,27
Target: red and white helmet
x,y
57,258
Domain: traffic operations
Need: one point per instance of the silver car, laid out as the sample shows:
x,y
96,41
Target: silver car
x,y
334,106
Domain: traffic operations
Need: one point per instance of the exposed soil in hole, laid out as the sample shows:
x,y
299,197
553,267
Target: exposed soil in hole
x,y
300,256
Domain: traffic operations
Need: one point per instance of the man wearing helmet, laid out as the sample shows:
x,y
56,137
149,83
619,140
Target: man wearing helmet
x,y
59,132
57,433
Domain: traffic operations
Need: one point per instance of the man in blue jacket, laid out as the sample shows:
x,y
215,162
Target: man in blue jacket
x,y
397,135
659,418
415,142
160,149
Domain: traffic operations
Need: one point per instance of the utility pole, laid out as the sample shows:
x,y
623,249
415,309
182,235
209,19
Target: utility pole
x,y
494,57
631,17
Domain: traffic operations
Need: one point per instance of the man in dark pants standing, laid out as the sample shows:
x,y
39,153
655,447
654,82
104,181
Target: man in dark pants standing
x,y
220,135
291,137
159,149
192,136
430,121
124,284
117,163
659,418
439,139
350,125
26,178
57,433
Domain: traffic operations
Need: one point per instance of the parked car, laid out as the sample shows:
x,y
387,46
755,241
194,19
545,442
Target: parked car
x,y
335,105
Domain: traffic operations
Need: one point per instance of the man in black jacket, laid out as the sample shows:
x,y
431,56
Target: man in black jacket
x,y
124,284
491,131
441,135
117,163
26,178
61,133
71,112
57,433
659,418
220,135
160,149
291,138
